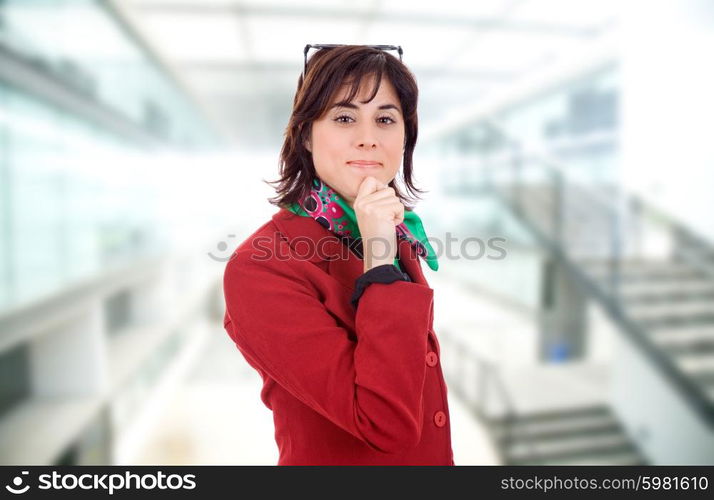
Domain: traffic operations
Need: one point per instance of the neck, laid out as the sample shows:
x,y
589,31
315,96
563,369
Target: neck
x,y
349,201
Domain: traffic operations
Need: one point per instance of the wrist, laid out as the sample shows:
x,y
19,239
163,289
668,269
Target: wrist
x,y
384,274
375,263
377,252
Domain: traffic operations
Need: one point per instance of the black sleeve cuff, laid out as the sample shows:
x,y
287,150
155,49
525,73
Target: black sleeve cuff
x,y
386,273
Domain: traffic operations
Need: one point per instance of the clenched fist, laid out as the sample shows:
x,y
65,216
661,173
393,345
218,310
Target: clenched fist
x,y
378,211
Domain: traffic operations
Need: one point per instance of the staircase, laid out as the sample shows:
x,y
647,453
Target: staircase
x,y
669,299
579,436
586,435
653,276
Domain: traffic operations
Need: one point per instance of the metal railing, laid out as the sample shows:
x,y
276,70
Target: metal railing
x,y
625,225
490,388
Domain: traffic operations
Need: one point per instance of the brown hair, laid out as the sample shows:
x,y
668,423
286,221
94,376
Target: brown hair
x,y
325,74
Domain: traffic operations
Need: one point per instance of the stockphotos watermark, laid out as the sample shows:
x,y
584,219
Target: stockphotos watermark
x,y
305,248
103,482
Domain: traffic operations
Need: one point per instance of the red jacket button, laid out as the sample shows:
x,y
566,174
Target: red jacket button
x,y
440,418
431,358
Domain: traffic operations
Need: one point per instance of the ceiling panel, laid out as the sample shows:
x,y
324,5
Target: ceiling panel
x,y
506,52
185,37
241,82
346,5
41,25
283,39
484,9
245,56
568,12
423,46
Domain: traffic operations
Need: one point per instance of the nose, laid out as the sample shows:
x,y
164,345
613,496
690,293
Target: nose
x,y
366,137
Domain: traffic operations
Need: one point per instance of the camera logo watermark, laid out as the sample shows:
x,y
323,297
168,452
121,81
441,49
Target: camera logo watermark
x,y
105,482
222,248
17,487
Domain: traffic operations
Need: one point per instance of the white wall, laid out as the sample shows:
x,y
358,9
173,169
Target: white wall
x,y
656,414
667,106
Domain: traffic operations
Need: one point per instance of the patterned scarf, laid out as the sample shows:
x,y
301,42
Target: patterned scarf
x,y
329,209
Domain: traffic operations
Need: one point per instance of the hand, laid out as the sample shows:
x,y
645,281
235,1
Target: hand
x,y
378,211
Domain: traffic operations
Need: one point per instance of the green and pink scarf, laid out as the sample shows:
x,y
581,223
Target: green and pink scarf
x,y
328,208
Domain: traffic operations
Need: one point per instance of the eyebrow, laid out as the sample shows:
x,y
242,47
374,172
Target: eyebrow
x,y
344,104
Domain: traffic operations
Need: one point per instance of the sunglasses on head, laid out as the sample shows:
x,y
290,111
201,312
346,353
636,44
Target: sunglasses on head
x,y
318,46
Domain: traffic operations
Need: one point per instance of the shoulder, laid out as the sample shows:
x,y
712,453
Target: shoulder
x,y
255,248
264,254
287,247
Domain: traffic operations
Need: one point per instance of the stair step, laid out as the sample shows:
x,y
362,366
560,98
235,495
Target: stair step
x,y
558,430
694,305
561,420
699,367
705,380
660,315
682,336
692,350
648,292
627,457
568,448
702,347
581,435
677,322
704,377
559,415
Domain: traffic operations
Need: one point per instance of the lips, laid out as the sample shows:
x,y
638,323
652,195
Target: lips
x,y
364,163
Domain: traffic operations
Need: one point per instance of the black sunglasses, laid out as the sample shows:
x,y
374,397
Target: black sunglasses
x,y
318,46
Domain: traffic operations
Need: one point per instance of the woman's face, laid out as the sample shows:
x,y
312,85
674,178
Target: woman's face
x,y
355,131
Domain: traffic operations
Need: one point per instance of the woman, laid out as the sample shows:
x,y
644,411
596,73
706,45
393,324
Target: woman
x,y
327,299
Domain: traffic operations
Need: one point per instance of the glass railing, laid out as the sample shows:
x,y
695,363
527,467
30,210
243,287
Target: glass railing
x,y
83,46
585,216
608,239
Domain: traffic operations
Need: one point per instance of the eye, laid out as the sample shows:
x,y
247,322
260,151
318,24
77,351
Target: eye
x,y
391,120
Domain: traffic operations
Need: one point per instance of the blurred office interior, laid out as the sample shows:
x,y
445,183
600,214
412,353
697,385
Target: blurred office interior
x,y
135,136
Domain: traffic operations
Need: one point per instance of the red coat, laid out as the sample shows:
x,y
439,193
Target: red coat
x,y
346,386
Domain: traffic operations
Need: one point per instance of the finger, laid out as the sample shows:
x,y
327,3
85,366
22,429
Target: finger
x,y
386,193
384,200
368,186
395,202
397,209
